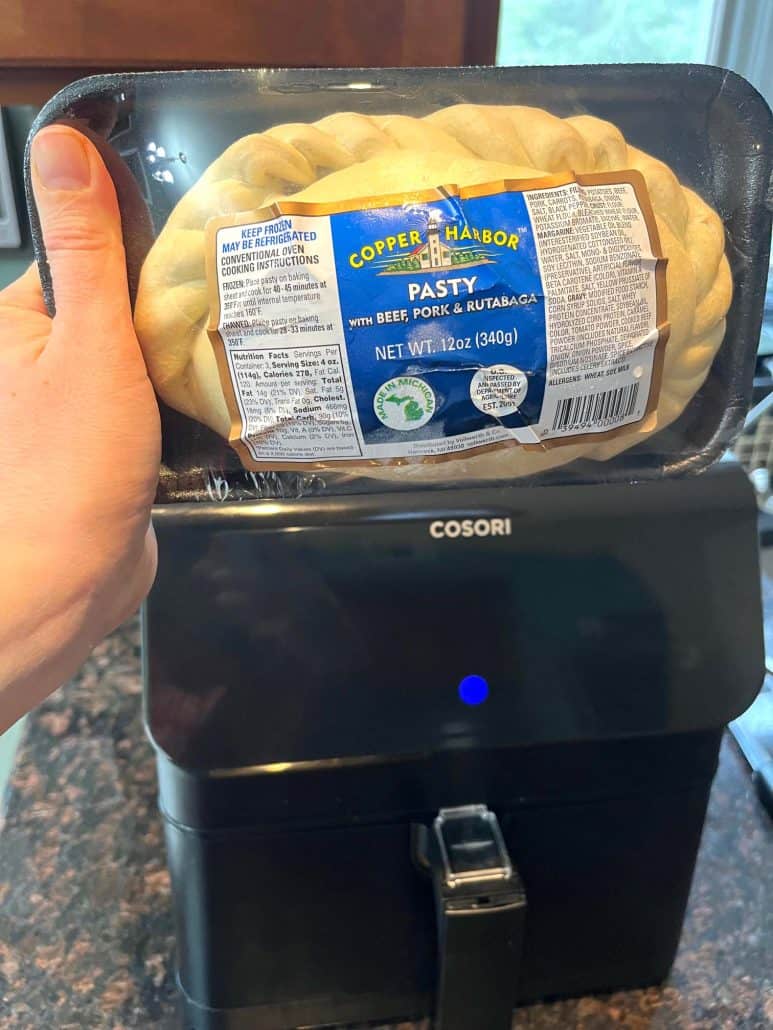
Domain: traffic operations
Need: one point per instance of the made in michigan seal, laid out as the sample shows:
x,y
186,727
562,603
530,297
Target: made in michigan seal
x,y
404,403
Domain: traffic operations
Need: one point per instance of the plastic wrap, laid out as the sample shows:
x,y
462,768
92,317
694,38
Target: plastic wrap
x,y
166,137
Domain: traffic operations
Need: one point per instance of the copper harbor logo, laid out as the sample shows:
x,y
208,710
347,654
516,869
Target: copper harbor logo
x,y
444,245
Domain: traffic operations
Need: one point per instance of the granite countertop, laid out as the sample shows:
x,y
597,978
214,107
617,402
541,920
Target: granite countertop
x,y
86,938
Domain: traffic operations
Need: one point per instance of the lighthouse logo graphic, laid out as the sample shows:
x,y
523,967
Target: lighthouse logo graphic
x,y
434,253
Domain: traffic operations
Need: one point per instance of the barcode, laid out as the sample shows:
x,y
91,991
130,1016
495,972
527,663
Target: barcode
x,y
596,409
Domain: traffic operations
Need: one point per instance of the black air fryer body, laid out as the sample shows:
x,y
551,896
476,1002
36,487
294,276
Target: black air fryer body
x,y
303,665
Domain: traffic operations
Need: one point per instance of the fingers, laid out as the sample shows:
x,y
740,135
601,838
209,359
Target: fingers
x,y
81,228
25,292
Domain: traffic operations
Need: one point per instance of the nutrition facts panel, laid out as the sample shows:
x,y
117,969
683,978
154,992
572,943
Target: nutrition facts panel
x,y
294,402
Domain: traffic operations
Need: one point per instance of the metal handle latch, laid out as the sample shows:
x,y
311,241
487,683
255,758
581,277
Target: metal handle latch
x,y
481,907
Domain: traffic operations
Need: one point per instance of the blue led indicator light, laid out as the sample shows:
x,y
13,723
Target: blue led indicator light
x,y
473,690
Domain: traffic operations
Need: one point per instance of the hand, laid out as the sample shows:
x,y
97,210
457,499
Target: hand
x,y
79,436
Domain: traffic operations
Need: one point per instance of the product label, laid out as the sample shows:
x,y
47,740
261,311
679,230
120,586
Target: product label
x,y
419,326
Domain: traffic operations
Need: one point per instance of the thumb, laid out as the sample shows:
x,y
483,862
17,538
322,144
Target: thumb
x,y
81,228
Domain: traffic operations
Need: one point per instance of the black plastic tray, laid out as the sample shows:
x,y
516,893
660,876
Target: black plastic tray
x,y
707,123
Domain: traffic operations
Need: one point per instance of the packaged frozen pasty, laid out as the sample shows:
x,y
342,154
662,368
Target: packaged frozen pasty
x,y
484,292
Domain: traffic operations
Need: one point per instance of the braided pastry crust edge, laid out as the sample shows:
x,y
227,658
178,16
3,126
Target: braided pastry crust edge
x,y
350,154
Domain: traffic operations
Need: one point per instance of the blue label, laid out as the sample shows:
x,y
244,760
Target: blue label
x,y
415,328
440,292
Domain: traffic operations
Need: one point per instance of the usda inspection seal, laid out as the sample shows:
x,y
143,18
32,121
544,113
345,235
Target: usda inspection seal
x,y
499,389
404,403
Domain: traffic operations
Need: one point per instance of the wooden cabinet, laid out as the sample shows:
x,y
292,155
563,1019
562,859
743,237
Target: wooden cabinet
x,y
46,43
